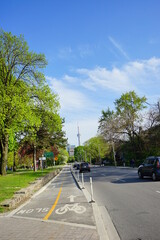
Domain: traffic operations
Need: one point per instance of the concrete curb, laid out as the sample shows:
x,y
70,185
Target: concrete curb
x,y
102,232
25,193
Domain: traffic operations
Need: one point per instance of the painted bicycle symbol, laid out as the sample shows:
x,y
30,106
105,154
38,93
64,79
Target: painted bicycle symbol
x,y
71,207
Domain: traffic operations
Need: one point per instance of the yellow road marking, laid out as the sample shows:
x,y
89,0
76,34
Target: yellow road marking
x,y
54,205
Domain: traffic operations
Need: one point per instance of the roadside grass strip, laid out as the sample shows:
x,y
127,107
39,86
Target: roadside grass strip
x,y
54,205
17,180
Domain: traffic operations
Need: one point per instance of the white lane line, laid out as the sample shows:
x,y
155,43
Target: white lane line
x,y
103,174
121,180
158,191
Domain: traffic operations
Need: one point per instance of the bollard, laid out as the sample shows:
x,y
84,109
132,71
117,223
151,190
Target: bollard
x,y
92,200
78,176
83,182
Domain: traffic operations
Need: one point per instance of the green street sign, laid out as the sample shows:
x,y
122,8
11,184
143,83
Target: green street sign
x,y
48,154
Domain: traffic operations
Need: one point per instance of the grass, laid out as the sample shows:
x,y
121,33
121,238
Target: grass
x,y
13,182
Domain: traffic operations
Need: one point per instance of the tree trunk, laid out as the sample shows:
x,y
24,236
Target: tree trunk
x,y
14,162
4,154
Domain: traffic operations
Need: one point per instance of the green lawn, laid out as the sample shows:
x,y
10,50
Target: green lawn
x,y
20,179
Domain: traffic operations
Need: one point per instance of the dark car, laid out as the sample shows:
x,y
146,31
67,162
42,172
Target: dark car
x,y
84,167
76,165
150,167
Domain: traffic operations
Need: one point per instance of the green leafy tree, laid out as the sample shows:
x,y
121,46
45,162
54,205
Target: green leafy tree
x,y
128,107
108,125
126,122
49,132
79,153
96,149
20,73
63,156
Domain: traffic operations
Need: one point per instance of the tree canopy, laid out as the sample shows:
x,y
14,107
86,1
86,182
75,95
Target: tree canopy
x,y
27,104
130,128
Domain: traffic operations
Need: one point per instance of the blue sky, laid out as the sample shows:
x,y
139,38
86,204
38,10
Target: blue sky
x,y
96,50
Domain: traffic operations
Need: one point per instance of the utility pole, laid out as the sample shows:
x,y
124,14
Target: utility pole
x,y
34,158
99,154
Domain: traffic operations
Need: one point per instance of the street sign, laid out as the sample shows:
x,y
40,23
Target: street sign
x,y
48,154
42,158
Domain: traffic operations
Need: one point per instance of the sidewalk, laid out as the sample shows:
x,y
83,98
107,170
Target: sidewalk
x,y
29,229
27,222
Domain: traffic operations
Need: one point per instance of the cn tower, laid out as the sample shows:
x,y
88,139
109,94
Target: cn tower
x,y
78,135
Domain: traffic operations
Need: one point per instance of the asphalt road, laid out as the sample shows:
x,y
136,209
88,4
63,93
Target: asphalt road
x,y
132,203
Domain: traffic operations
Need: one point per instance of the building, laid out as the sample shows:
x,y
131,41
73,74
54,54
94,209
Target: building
x,y
70,149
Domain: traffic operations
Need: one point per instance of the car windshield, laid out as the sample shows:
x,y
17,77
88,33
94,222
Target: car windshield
x,y
84,164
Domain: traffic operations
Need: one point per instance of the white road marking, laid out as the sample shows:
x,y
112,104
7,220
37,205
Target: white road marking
x,y
71,207
28,211
158,191
122,180
72,198
35,195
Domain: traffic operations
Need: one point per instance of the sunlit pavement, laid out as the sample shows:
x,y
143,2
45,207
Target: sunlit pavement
x,y
59,212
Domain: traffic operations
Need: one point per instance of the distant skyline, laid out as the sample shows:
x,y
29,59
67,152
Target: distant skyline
x,y
96,50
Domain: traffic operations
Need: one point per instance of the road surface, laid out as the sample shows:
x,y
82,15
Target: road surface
x,y
132,203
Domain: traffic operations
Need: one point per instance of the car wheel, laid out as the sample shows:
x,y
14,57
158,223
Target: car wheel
x,y
154,176
140,174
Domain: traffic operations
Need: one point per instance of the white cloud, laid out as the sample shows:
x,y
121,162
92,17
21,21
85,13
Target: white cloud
x,y
70,79
65,53
115,79
118,46
85,50
89,85
137,75
70,99
83,96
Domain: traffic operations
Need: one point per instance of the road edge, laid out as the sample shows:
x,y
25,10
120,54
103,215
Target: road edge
x,y
102,226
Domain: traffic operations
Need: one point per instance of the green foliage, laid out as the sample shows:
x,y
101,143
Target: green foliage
x,y
71,159
130,103
28,108
79,153
132,137
96,148
63,156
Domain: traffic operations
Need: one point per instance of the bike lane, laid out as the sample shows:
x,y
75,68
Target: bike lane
x,y
62,201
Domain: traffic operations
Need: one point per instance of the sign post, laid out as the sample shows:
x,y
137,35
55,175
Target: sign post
x,y
42,159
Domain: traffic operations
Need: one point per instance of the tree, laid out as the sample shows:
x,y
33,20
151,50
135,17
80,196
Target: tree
x,y
79,153
108,125
63,156
20,73
126,122
49,133
153,115
128,108
13,147
96,148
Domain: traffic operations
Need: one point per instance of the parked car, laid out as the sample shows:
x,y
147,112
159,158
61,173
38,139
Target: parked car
x,y
84,167
150,167
76,165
